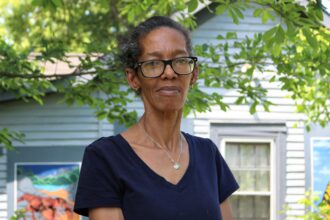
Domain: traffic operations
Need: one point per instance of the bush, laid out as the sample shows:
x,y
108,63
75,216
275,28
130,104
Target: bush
x,y
315,210
19,214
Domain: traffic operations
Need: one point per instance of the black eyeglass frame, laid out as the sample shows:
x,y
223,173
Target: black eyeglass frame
x,y
166,62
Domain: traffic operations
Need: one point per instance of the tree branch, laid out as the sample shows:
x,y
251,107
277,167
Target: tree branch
x,y
316,24
41,76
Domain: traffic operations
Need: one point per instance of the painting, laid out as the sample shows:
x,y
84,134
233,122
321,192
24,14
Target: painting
x,y
321,168
46,190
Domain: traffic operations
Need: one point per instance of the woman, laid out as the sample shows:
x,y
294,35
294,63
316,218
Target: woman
x,y
153,170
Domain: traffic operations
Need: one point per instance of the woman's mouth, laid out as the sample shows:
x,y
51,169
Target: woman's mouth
x,y
169,90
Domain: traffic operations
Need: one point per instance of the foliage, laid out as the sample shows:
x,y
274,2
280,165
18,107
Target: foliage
x,y
6,138
315,210
19,214
297,48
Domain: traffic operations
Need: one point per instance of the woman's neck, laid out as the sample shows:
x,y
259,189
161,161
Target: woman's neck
x,y
163,127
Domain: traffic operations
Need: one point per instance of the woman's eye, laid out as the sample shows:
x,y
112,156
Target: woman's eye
x,y
182,61
153,63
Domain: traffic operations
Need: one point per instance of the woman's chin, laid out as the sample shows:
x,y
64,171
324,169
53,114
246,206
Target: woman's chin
x,y
161,104
170,108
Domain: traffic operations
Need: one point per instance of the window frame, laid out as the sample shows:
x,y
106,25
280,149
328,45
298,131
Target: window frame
x,y
272,181
274,131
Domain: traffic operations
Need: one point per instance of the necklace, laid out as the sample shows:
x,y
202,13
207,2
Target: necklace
x,y
176,165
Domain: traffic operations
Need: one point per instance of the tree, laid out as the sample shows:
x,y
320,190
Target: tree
x,y
298,47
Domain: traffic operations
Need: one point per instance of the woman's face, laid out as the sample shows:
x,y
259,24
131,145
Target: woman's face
x,y
169,91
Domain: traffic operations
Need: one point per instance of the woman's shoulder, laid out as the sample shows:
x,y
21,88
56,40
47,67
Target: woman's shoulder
x,y
105,143
200,142
199,139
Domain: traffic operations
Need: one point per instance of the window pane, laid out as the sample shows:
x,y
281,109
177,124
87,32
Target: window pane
x,y
250,207
262,155
263,181
247,155
237,175
232,157
246,207
234,206
250,163
262,207
247,180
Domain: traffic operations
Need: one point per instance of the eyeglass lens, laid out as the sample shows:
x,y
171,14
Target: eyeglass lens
x,y
154,68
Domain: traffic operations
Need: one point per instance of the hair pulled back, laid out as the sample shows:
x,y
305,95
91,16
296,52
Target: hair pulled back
x,y
129,46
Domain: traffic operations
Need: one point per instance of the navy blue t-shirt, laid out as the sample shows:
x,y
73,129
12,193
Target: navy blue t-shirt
x,y
113,175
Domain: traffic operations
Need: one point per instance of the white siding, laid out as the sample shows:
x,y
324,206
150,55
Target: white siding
x,y
3,194
282,112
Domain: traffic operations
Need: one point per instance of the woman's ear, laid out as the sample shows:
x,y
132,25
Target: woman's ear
x,y
194,75
132,79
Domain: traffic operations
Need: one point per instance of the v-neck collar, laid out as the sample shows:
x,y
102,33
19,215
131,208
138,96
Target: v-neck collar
x,y
160,179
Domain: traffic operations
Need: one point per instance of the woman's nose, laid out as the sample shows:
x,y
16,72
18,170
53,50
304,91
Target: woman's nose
x,y
169,72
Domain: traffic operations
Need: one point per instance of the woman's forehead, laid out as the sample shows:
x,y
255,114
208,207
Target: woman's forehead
x,y
163,40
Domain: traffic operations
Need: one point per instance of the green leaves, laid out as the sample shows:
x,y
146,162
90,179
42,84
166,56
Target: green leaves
x,y
268,35
310,37
297,47
192,5
220,9
200,101
253,107
257,12
231,35
279,35
274,35
317,209
19,214
274,38
234,10
7,137
264,13
234,15
57,3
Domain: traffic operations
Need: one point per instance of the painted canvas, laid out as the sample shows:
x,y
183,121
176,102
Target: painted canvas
x,y
46,190
321,168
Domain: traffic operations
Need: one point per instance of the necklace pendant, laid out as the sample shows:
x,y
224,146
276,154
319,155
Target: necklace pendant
x,y
176,166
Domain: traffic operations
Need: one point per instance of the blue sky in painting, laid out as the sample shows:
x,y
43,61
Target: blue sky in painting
x,y
321,164
43,170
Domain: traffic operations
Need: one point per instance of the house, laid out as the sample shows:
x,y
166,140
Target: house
x,y
270,153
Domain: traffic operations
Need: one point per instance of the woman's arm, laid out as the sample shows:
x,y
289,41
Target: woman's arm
x,y
106,214
226,210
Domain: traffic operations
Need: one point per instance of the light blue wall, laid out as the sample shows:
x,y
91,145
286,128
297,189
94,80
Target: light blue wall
x,y
52,124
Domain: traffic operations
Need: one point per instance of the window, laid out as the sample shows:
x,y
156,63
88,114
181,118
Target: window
x,y
256,154
251,164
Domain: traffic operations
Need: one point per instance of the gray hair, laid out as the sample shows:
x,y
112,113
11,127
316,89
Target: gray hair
x,y
129,46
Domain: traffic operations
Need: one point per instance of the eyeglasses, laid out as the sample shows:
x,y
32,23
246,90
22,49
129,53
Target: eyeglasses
x,y
155,68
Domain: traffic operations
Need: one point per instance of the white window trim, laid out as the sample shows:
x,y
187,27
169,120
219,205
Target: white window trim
x,y
272,193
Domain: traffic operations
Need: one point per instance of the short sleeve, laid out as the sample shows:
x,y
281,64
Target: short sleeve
x,y
98,185
226,181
